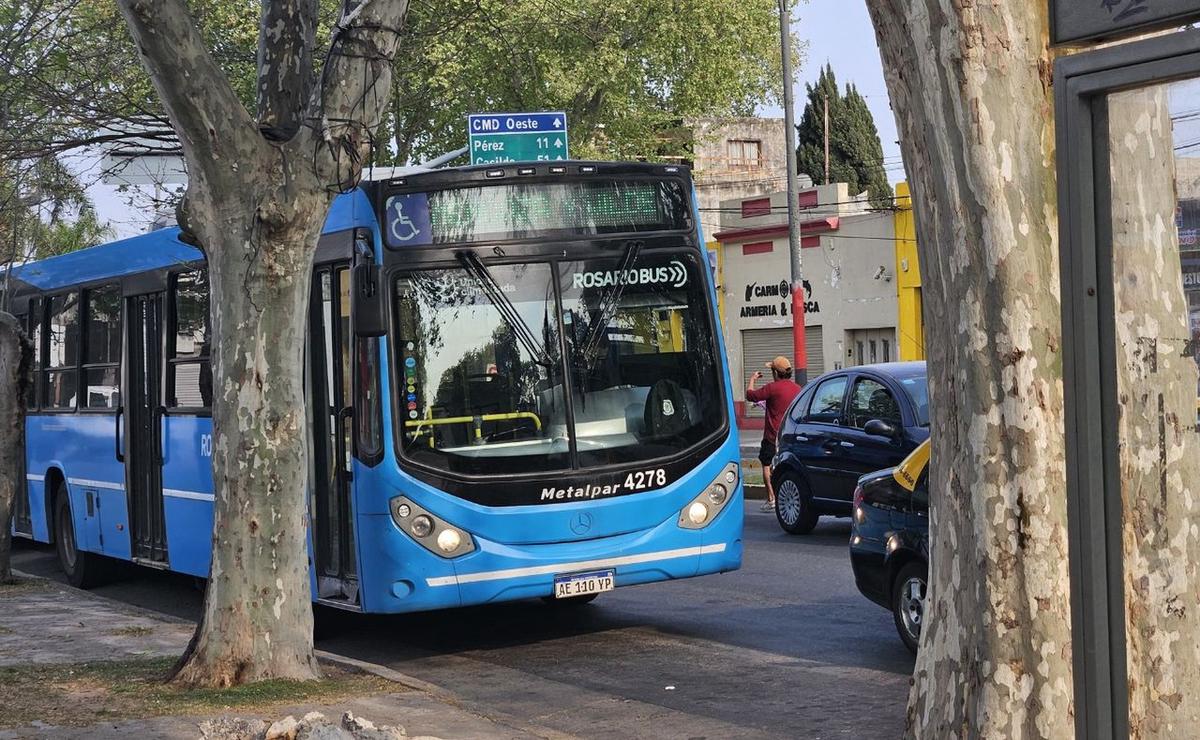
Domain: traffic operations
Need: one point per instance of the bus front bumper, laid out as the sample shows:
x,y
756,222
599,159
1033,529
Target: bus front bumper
x,y
498,572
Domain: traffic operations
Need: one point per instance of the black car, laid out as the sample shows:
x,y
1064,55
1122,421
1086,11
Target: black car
x,y
889,542
845,424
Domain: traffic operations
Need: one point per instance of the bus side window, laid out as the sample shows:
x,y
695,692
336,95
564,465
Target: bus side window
x,y
33,330
61,373
189,373
102,348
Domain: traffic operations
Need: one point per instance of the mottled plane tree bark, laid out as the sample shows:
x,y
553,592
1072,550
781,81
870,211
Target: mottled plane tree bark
x,y
1159,448
970,87
259,188
16,354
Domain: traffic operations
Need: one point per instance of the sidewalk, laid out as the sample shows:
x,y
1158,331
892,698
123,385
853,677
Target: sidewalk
x,y
76,665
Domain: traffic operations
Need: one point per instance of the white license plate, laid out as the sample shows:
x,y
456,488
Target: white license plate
x,y
582,584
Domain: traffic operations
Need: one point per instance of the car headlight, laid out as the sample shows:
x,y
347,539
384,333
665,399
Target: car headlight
x,y
434,534
704,508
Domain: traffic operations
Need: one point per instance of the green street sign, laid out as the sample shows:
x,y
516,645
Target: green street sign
x,y
517,137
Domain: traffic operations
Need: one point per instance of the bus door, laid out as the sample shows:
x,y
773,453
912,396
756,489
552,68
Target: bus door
x,y
330,412
143,428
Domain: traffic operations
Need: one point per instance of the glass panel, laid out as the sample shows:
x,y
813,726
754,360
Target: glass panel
x,y
641,356
103,326
1154,150
103,388
192,382
60,389
871,400
522,211
480,381
191,315
35,335
367,413
64,331
917,388
827,403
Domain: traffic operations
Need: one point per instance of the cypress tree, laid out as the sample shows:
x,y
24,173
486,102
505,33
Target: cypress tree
x,y
855,152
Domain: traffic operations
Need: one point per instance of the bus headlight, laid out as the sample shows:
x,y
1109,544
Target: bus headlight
x,y
422,526
447,540
704,508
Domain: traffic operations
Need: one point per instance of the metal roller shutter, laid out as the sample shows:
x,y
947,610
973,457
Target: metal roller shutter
x,y
760,346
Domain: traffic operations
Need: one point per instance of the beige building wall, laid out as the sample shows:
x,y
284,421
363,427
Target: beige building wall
x,y
849,265
723,171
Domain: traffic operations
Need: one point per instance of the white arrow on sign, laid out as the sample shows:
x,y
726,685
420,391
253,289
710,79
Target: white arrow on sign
x,y
557,123
558,143
558,157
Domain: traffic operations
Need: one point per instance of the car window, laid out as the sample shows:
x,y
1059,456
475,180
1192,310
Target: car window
x,y
800,407
827,400
918,390
871,400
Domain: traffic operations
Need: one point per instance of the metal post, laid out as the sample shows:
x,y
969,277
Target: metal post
x,y
826,97
799,351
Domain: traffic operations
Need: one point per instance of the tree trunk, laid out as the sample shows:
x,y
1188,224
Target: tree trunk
x,y
16,354
257,619
970,86
257,205
1159,450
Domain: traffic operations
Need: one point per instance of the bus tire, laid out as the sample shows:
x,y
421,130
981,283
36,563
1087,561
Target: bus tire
x,y
83,569
793,505
570,600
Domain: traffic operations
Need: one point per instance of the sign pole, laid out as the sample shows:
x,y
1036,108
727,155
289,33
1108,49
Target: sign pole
x,y
799,350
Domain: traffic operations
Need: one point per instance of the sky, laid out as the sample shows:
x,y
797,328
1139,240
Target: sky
x,y
835,31
839,32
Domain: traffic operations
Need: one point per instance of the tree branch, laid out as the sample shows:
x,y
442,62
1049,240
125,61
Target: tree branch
x,y
203,107
287,33
353,92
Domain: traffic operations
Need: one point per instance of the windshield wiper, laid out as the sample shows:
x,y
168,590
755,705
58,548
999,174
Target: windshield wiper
x,y
609,301
476,269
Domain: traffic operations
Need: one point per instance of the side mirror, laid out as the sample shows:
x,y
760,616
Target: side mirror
x,y
880,428
370,308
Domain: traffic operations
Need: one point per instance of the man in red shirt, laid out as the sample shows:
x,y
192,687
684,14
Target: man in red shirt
x,y
777,396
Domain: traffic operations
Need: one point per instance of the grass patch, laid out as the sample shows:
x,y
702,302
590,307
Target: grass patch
x,y
88,693
24,585
131,631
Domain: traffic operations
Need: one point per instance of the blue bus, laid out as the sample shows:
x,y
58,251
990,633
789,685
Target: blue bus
x,y
516,388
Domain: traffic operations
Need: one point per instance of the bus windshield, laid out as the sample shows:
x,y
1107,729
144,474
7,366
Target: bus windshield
x,y
486,372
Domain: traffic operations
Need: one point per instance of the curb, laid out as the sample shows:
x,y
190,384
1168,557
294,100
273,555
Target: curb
x,y
409,682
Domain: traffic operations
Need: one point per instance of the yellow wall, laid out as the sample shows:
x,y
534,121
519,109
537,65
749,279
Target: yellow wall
x,y
910,328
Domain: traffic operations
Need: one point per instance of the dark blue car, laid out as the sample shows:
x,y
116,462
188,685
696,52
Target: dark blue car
x,y
844,425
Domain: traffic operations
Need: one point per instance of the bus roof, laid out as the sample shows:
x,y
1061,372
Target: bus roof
x,y
156,250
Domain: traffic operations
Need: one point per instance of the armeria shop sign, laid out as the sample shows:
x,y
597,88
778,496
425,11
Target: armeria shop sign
x,y
1075,21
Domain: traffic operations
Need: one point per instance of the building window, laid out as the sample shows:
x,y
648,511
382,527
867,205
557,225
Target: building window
x,y
757,248
745,154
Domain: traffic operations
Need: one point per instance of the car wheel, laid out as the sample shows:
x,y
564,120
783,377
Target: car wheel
x,y
908,602
83,569
793,505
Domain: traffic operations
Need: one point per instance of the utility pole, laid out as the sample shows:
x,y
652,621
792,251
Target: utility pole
x,y
826,98
799,351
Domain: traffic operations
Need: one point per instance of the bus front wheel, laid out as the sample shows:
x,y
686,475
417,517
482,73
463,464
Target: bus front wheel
x,y
82,568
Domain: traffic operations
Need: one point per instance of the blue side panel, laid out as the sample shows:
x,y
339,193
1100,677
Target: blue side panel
x,y
349,211
39,517
188,492
81,446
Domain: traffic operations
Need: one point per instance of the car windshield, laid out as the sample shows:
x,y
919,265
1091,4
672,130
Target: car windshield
x,y
917,388
482,372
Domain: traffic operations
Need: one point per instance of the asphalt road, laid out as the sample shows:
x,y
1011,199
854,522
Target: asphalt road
x,y
785,647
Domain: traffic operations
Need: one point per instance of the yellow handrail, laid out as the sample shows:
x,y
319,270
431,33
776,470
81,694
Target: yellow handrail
x,y
476,420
